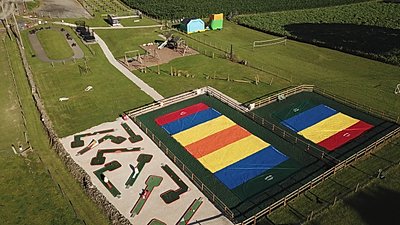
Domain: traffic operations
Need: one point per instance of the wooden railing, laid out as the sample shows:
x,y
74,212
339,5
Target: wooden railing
x,y
336,164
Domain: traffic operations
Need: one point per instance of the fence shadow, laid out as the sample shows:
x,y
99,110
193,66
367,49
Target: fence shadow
x,y
376,205
371,41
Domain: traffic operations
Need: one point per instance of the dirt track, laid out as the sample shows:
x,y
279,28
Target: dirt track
x,y
62,9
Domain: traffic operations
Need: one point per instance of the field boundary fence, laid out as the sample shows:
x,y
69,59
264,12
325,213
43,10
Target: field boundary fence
x,y
336,165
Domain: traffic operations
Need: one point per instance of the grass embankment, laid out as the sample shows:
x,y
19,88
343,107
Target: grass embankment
x,y
29,194
112,92
368,29
54,44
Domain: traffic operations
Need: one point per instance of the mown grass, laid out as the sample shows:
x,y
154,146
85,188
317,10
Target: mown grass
x,y
54,44
30,194
112,92
367,29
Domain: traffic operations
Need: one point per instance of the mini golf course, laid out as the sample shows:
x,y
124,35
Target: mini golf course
x,y
173,195
156,222
111,166
78,142
142,160
189,213
133,138
151,182
99,159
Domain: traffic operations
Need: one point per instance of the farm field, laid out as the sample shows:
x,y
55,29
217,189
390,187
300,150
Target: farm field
x,y
175,9
111,93
368,29
31,194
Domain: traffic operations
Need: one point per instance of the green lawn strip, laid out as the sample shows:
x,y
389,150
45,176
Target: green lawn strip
x,y
173,195
112,92
362,80
133,138
355,214
99,159
54,44
145,21
189,213
336,186
79,143
142,160
123,40
111,166
151,182
31,204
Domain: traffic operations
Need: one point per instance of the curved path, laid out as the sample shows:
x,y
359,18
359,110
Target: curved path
x,y
136,80
141,84
41,53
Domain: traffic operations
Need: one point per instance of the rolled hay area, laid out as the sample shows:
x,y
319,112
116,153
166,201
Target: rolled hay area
x,y
121,175
54,44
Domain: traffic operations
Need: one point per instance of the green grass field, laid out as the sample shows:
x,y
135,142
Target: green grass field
x,y
54,44
367,29
30,194
112,92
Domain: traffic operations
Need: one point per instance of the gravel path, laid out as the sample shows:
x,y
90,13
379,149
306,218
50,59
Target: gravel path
x,y
141,84
41,54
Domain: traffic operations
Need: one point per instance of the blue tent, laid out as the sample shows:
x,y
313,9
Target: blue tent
x,y
192,25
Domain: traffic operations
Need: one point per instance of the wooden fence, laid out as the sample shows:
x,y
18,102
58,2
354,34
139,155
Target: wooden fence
x,y
336,164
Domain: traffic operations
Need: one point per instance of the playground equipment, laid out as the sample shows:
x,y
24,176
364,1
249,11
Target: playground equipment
x,y
111,166
142,160
151,182
216,21
84,31
137,57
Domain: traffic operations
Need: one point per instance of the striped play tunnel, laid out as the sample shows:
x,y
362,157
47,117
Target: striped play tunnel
x,y
227,150
326,127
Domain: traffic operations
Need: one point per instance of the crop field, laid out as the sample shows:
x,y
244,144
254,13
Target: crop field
x,y
368,29
175,9
105,7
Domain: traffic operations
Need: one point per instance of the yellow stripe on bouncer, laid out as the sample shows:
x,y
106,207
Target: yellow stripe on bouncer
x,y
232,153
328,127
203,130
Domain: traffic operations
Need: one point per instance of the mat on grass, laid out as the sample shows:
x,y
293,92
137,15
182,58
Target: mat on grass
x,y
226,149
326,126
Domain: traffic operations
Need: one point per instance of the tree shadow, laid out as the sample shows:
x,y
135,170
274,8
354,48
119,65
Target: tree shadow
x,y
376,205
370,41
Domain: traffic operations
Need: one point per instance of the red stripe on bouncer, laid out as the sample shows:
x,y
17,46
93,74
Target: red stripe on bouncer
x,y
216,141
345,135
170,117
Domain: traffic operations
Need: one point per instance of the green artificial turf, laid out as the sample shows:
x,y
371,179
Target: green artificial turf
x,y
54,44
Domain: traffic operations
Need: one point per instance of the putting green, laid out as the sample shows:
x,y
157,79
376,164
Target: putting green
x,y
142,160
99,159
190,211
173,195
151,182
111,166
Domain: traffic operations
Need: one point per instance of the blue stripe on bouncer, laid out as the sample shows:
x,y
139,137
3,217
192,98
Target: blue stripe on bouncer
x,y
250,167
191,121
309,117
